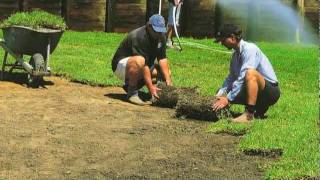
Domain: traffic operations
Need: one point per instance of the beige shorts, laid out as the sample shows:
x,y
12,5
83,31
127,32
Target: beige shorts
x,y
121,69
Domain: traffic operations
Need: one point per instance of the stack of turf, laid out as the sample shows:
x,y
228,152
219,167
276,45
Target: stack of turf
x,y
168,96
188,103
199,107
37,19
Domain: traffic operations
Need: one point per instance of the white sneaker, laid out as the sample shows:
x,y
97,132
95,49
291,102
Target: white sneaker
x,y
136,100
169,44
49,69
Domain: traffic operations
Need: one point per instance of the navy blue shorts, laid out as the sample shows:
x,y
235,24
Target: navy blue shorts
x,y
267,97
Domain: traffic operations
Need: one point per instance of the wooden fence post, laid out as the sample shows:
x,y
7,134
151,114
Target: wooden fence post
x,y
20,4
218,14
65,8
109,11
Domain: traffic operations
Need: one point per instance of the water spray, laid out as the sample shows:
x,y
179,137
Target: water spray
x,y
283,21
204,47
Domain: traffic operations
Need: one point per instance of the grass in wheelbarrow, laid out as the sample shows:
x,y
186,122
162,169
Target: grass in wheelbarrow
x,y
35,19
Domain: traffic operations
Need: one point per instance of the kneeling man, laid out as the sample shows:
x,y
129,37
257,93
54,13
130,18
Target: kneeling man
x,y
251,80
133,61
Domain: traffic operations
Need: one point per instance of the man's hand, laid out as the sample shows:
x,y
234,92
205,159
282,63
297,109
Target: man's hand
x,y
220,103
154,91
169,83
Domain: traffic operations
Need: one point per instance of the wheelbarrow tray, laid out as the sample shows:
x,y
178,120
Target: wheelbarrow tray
x,y
28,41
39,44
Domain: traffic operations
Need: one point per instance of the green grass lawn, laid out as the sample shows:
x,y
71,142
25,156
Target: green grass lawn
x,y
292,124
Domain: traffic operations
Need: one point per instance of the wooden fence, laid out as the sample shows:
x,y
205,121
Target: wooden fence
x,y
86,15
199,17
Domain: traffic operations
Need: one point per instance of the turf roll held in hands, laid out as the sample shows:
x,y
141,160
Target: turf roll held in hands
x,y
195,106
168,96
189,103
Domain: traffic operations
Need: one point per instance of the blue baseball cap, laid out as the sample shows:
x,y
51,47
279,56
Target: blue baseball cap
x,y
158,23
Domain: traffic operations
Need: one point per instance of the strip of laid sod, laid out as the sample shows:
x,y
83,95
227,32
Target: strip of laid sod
x,y
291,125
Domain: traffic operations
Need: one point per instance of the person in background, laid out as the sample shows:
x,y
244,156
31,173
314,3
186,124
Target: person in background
x,y
251,80
178,4
134,59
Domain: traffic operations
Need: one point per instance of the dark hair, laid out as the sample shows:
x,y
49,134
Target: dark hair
x,y
238,34
229,30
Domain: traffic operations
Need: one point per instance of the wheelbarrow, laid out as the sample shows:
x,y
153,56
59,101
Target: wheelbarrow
x,y
39,44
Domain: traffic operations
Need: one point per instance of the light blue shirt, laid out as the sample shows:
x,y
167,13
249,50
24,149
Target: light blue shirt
x,y
248,57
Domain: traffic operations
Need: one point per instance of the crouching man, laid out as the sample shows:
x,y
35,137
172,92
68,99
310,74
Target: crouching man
x,y
133,61
251,80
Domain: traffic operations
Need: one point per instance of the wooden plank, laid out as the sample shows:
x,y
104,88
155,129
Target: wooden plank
x,y
51,6
128,15
311,3
7,8
198,18
87,15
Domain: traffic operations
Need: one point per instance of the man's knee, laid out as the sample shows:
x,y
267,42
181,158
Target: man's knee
x,y
134,66
137,61
251,74
154,72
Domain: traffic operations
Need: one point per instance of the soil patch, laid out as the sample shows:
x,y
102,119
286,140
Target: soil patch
x,y
72,131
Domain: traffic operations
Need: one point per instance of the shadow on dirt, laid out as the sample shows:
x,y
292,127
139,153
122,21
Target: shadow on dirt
x,y
21,78
123,96
118,96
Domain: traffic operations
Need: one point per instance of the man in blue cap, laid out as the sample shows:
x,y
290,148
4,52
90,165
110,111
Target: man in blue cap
x,y
251,80
134,59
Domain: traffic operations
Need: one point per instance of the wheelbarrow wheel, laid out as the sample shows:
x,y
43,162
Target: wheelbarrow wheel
x,y
37,62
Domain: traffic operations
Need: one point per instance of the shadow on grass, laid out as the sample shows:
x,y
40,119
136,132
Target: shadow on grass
x,y
233,132
270,153
21,78
310,177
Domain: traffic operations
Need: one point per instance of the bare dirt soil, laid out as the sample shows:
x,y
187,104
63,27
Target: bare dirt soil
x,y
73,131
